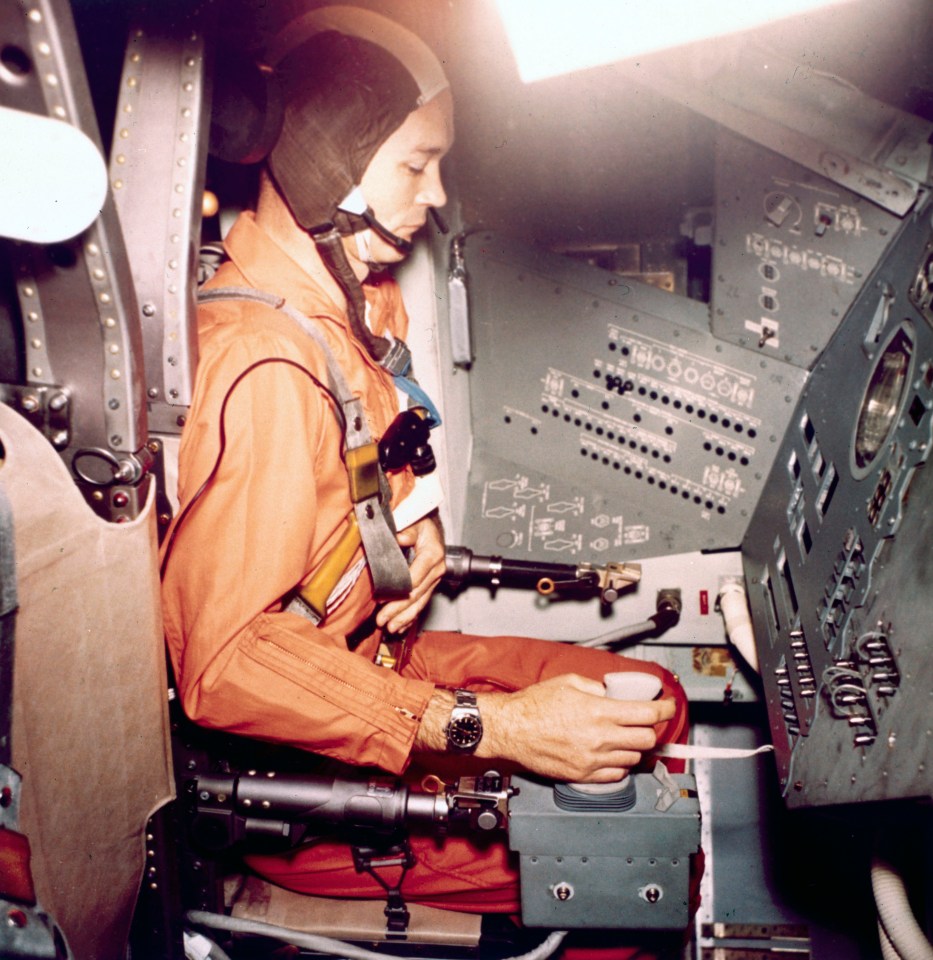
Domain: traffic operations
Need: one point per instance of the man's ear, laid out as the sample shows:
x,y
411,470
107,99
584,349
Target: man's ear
x,y
247,109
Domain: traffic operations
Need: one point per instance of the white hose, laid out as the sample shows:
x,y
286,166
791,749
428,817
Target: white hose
x,y
733,601
328,945
906,937
887,948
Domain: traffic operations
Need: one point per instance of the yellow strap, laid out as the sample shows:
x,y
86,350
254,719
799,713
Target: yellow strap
x,y
363,469
316,592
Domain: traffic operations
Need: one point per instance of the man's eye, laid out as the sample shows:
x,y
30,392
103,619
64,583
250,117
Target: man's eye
x,y
415,170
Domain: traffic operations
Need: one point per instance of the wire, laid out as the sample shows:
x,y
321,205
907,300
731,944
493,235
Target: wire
x,y
329,945
223,442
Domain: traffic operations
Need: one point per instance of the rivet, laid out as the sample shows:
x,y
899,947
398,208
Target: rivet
x,y
121,159
109,322
60,112
35,16
99,274
29,291
32,316
124,133
93,249
117,184
51,79
37,371
114,348
132,82
115,374
104,298
35,344
44,49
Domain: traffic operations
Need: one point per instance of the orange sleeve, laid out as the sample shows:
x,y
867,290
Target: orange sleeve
x,y
276,502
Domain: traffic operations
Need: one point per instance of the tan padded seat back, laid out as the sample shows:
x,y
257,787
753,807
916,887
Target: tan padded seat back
x,y
90,723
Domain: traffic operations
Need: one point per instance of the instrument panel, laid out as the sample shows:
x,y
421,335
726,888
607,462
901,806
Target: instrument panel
x,y
837,554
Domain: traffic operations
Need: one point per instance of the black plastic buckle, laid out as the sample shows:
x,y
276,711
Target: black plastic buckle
x,y
405,443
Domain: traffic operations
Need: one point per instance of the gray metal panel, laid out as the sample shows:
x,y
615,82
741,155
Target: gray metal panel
x,y
792,250
823,123
627,870
75,300
157,169
837,554
607,416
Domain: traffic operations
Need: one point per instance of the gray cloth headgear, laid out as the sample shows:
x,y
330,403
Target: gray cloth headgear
x,y
348,79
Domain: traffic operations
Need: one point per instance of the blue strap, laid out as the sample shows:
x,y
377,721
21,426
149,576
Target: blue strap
x,y
420,398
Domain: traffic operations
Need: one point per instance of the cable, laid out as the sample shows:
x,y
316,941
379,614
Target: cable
x,y
223,442
620,634
331,946
895,915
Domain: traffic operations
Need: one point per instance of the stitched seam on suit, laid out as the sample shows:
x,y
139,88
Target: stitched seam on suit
x,y
402,711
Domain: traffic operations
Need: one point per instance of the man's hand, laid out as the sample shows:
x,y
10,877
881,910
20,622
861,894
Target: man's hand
x,y
564,728
427,568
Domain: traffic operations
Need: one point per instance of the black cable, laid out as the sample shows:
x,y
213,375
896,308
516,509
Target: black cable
x,y
338,409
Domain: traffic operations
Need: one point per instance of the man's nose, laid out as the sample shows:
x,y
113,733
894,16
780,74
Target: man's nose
x,y
432,193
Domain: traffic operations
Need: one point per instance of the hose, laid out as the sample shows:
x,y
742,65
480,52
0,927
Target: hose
x,y
733,601
620,634
895,915
328,945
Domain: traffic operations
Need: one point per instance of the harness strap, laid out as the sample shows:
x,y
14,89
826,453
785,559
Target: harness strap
x,y
369,488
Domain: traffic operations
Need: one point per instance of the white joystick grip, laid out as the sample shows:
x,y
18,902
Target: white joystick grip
x,y
632,685
624,685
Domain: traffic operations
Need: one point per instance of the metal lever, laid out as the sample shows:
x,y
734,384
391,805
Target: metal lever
x,y
607,580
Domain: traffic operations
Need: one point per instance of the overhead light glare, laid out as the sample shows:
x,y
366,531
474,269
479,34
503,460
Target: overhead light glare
x,y
552,37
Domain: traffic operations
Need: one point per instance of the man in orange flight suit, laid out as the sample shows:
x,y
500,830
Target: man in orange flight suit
x,y
368,120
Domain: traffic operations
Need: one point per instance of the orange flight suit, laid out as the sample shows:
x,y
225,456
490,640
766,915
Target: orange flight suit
x,y
272,513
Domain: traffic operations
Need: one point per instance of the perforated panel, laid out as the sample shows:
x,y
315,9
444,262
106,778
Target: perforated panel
x,y
837,555
793,250
606,415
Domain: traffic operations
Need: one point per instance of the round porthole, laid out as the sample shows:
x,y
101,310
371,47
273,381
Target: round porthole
x,y
882,402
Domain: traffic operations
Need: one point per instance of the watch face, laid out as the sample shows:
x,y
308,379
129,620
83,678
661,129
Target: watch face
x,y
465,731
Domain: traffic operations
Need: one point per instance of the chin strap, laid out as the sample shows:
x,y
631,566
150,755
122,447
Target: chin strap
x,y
390,353
354,205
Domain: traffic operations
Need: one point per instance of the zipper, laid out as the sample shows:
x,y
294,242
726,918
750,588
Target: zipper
x,y
403,711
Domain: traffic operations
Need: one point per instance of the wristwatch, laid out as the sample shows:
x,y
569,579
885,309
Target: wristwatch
x,y
465,727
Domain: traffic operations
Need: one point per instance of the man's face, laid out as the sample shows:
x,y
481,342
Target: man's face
x,y
403,179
